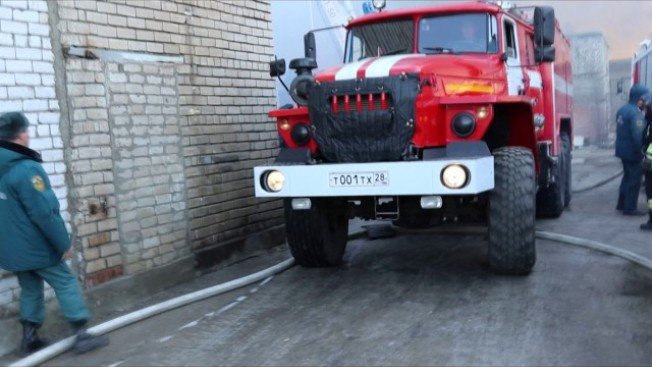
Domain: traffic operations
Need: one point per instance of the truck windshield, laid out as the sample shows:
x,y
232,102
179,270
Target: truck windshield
x,y
471,32
388,38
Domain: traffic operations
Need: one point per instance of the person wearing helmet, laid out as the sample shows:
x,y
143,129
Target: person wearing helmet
x,y
630,120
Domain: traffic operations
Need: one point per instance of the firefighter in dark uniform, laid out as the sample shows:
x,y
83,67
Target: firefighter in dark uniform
x,y
647,167
630,121
34,241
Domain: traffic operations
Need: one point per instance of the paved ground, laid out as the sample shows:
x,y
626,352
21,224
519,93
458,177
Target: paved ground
x,y
422,299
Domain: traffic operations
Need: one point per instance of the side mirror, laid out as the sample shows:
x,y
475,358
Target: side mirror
x,y
277,67
544,34
544,54
544,26
310,46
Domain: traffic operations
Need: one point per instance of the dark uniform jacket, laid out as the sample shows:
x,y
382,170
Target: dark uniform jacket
x,y
32,233
647,135
630,122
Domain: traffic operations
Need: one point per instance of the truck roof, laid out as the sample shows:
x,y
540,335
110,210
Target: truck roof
x,y
434,9
520,14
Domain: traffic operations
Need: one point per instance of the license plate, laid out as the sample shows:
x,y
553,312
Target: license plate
x,y
358,179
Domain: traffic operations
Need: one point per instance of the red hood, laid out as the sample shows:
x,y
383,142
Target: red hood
x,y
485,67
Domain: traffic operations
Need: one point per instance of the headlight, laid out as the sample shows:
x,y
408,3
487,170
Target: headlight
x,y
272,181
454,176
463,124
300,134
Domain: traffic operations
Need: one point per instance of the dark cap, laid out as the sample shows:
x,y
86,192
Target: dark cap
x,y
12,124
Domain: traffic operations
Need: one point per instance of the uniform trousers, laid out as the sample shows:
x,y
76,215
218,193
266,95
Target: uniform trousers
x,y
66,288
630,186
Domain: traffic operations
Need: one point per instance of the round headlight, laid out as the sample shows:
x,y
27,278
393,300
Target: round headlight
x,y
300,134
463,124
273,181
454,176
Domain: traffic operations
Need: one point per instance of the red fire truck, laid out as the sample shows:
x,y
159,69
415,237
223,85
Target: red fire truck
x,y
642,65
455,112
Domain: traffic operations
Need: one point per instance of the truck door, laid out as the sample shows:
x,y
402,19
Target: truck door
x,y
514,69
533,79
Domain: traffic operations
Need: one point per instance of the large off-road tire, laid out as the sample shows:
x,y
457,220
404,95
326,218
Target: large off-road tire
x,y
317,237
568,158
551,200
511,214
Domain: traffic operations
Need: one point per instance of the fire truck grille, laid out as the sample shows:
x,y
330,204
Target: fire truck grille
x,y
361,102
364,120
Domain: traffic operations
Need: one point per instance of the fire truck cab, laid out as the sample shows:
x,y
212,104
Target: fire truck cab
x,y
457,112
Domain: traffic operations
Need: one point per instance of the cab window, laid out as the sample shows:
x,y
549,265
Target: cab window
x,y
378,39
458,33
510,40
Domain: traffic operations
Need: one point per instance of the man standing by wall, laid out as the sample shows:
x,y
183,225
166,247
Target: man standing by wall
x,y
630,121
33,238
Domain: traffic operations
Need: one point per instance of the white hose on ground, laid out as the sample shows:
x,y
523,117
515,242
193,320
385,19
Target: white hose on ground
x,y
122,321
597,246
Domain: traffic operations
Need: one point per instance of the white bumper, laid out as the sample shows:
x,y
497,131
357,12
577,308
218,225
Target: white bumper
x,y
353,179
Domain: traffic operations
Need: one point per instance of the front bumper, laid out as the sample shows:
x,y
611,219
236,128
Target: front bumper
x,y
352,179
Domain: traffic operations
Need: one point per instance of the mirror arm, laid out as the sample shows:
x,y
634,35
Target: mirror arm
x,y
278,75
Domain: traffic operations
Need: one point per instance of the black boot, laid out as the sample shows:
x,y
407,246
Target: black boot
x,y
85,342
31,341
647,226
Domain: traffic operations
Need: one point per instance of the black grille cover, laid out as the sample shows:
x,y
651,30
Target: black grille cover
x,y
364,136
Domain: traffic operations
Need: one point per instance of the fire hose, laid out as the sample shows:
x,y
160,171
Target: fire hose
x,y
147,312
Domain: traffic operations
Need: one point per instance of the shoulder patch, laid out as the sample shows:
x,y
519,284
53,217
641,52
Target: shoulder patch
x,y
37,182
619,120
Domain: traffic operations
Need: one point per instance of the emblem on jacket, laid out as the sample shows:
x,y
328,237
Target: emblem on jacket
x,y
38,183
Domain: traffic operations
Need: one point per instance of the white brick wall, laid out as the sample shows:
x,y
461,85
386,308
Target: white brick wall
x,y
27,85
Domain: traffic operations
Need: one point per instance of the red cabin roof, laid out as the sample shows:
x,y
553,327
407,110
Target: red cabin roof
x,y
435,9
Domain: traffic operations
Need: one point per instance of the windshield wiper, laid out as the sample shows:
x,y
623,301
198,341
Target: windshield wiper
x,y
439,50
394,52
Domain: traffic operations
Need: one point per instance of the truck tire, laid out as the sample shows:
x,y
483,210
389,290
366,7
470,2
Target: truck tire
x,y
551,200
511,212
317,237
568,158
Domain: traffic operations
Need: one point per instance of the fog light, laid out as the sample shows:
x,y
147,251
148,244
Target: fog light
x,y
454,176
431,202
300,134
301,204
463,124
284,125
272,181
482,112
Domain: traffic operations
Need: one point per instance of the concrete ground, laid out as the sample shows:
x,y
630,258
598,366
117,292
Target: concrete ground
x,y
421,299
